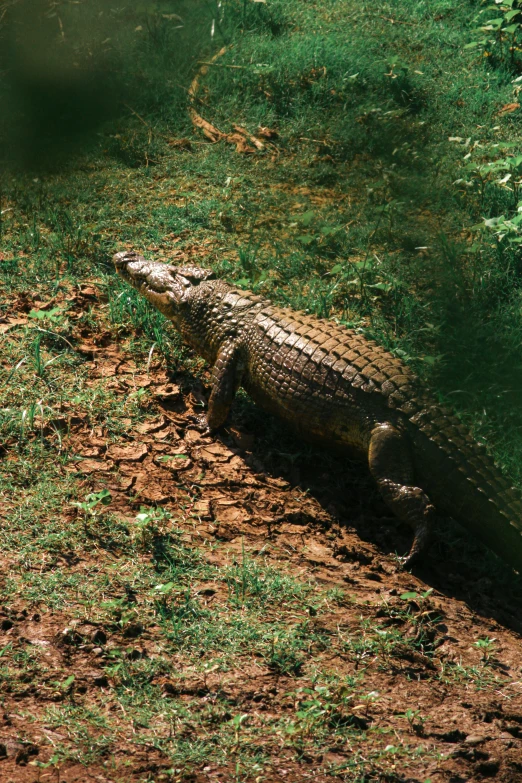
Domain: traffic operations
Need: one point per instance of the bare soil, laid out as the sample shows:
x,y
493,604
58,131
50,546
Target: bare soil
x,y
254,488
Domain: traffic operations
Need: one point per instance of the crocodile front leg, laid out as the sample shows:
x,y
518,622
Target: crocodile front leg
x,y
226,379
392,468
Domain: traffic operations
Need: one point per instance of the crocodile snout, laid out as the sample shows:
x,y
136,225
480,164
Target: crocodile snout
x,y
122,260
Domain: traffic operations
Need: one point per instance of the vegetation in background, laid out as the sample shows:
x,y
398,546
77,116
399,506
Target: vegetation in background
x,y
420,243
70,69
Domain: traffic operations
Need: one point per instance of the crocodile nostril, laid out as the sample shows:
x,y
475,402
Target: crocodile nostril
x,y
124,258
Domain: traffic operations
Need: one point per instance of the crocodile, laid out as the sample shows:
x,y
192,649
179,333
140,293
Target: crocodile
x,y
344,391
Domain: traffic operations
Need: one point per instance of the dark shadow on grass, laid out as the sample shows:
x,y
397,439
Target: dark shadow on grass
x,y
86,75
457,565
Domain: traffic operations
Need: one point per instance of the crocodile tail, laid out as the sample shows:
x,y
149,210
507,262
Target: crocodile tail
x,y
465,482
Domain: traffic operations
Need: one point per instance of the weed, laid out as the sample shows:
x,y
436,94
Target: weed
x,y
480,677
152,525
486,646
415,721
251,583
502,34
283,659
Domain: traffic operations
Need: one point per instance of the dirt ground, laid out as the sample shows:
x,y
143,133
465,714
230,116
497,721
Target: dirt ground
x,y
254,488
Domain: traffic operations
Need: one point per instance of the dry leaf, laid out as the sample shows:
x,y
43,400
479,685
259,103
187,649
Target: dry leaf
x,y
131,453
162,434
12,321
160,448
167,392
88,291
275,482
215,452
137,381
508,108
267,133
202,509
174,462
318,554
127,367
126,482
151,426
150,490
94,465
107,369
90,451
46,305
184,144
255,141
212,133
240,138
245,440
87,348
129,468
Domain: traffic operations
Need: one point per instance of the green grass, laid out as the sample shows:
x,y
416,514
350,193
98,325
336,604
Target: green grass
x,y
262,617
363,119
360,210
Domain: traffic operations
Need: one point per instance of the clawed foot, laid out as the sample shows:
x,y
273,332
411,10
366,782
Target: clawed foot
x,y
200,423
421,542
408,561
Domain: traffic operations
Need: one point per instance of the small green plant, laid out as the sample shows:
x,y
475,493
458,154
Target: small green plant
x,y
481,677
503,172
317,233
90,506
151,516
502,33
487,647
28,418
364,278
413,596
255,276
283,658
415,721
56,315
169,457
151,524
64,686
495,176
334,707
237,723
39,363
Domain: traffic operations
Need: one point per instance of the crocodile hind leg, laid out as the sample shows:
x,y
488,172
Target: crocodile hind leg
x,y
391,466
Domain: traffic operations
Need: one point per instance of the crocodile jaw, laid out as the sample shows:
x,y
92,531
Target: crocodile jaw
x,y
158,283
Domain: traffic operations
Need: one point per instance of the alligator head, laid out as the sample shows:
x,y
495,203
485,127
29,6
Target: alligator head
x,y
166,287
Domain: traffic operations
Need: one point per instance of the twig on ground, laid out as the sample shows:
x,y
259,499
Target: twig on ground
x,y
241,137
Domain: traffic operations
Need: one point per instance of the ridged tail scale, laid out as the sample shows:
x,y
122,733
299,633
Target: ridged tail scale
x,y
469,487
